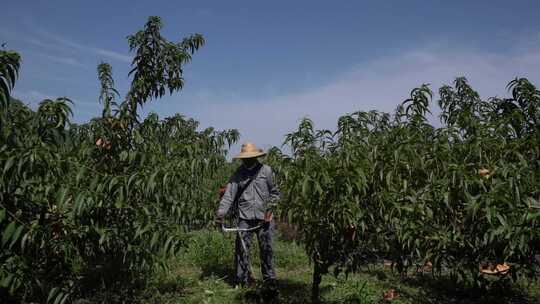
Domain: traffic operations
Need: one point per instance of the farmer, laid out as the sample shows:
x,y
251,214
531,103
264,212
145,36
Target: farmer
x,y
252,192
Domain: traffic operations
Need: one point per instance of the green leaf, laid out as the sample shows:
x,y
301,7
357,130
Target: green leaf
x,y
9,164
154,240
80,175
8,233
501,220
24,240
305,187
16,235
52,294
113,182
65,298
59,298
6,281
533,216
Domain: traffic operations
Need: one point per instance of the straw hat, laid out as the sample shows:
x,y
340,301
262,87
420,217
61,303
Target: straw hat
x,y
249,150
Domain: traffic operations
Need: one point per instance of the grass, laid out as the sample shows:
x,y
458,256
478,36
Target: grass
x,y
202,273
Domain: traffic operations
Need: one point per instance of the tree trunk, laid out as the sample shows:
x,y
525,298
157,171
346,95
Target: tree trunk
x,y
317,276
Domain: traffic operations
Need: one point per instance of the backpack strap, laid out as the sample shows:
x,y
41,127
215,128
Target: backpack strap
x,y
234,211
240,191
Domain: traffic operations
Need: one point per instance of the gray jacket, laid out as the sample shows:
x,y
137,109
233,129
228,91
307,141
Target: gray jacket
x,y
256,199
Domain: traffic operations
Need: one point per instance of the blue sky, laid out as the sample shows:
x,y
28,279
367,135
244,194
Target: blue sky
x,y
267,64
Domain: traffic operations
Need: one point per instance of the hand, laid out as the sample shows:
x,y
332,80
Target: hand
x,y
218,220
268,216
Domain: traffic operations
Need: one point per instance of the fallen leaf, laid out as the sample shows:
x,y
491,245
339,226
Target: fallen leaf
x,y
390,294
499,269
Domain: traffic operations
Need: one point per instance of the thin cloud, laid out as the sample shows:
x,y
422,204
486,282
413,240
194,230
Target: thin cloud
x,y
114,55
42,44
62,59
31,96
56,43
85,48
45,48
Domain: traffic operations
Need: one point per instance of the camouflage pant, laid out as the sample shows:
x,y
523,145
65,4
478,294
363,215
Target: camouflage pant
x,y
242,258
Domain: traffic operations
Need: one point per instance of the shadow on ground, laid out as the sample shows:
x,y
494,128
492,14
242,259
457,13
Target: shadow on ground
x,y
444,290
289,292
225,272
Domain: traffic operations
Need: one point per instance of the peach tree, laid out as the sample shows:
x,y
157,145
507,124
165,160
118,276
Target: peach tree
x,y
453,197
90,208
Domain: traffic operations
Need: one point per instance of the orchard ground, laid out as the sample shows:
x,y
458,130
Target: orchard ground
x,y
202,274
